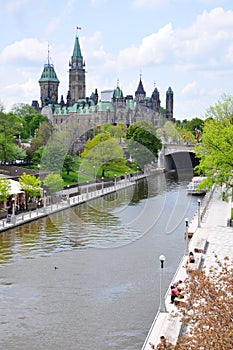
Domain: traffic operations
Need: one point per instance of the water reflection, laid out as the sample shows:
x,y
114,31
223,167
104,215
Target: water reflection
x,y
109,221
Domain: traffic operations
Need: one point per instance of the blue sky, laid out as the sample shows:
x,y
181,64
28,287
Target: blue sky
x,y
185,44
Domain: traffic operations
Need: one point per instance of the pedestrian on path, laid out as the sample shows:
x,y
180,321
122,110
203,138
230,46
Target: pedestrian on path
x,y
164,344
174,293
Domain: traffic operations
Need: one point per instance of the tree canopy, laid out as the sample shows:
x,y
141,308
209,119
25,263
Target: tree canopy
x,y
10,126
216,148
31,185
208,311
101,151
5,187
143,143
53,182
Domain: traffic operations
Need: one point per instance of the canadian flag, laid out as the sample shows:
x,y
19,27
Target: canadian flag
x,y
79,28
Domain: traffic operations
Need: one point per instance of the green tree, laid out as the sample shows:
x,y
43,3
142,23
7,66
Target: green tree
x,y
10,126
69,164
31,185
21,109
54,153
102,151
5,187
143,143
31,124
53,182
216,148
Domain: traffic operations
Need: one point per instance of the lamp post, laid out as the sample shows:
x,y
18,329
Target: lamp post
x,y
126,176
186,235
45,200
115,181
87,189
13,211
68,194
102,183
162,306
94,171
199,213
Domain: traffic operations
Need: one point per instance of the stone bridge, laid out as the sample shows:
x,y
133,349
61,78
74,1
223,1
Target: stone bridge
x,y
180,157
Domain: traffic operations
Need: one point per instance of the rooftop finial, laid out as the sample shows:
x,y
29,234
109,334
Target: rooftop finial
x,y
48,53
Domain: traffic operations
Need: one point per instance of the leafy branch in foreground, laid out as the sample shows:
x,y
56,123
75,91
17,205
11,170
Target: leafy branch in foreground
x,y
208,312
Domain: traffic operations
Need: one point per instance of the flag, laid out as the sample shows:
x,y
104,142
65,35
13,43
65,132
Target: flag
x,y
79,28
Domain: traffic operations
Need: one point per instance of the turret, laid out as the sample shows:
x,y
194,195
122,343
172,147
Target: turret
x,y
48,85
140,94
169,104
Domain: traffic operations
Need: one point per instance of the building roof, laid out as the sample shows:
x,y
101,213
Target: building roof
x,y
48,74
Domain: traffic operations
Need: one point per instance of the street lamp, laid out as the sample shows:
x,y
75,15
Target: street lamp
x,y
199,213
68,194
102,183
13,211
162,306
186,234
44,200
94,171
115,181
87,188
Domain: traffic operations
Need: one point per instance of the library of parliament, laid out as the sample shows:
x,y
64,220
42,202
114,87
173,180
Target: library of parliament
x,y
113,107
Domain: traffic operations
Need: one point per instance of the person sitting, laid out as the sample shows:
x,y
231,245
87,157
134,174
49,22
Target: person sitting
x,y
190,259
164,344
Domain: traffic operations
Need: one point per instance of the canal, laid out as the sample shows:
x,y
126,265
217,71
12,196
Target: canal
x,y
88,277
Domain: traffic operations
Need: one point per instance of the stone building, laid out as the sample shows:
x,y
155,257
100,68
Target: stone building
x,y
94,110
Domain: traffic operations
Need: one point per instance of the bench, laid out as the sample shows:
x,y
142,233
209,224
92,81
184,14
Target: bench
x,y
196,264
200,245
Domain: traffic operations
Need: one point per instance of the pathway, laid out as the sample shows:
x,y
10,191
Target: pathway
x,y
219,238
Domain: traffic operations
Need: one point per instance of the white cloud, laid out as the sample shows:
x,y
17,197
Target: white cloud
x,y
23,51
154,49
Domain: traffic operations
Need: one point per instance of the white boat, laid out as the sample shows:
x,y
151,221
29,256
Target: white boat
x,y
192,187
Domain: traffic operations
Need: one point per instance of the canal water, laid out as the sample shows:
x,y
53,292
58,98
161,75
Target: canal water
x,y
88,277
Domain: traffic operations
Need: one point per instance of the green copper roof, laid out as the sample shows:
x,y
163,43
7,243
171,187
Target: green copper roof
x,y
49,74
169,90
77,56
117,93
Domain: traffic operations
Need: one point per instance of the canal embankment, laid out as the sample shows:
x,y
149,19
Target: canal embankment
x,y
71,197
211,236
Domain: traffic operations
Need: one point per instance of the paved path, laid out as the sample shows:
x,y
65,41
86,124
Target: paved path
x,y
88,192
219,238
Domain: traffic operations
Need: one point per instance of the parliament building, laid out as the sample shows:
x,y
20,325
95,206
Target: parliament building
x,y
112,106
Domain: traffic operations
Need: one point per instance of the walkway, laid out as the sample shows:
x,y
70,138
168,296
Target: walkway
x,y
218,237
89,192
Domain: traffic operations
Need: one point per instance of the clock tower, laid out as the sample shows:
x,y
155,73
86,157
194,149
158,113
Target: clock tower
x,y
77,79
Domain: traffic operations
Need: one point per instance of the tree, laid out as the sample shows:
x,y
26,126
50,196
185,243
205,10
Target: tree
x,y
102,151
143,143
21,109
31,185
10,126
53,182
216,148
54,153
208,314
69,164
5,187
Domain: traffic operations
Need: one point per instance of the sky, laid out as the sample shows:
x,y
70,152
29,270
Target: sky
x,y
184,44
